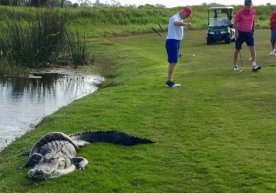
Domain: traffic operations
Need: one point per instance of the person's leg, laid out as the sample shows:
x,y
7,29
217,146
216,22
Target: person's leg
x,y
255,67
253,53
172,47
272,46
250,41
236,53
273,41
238,45
170,71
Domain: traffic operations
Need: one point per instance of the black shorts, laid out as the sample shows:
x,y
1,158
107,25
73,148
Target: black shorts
x,y
247,37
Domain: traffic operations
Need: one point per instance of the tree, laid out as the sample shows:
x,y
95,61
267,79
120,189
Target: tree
x,y
160,5
12,2
4,2
75,5
115,3
39,3
68,4
98,4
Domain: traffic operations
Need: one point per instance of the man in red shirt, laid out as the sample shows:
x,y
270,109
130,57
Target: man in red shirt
x,y
273,33
244,25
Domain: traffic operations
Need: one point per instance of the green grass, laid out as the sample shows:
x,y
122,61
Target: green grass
x,y
215,134
116,20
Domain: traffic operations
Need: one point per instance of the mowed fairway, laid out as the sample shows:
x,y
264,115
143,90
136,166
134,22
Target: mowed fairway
x,y
215,134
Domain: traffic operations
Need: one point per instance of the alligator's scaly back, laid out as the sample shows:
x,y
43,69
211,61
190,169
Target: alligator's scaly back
x,y
108,136
54,136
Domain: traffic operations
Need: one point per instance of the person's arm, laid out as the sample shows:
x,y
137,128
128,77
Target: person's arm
x,y
236,29
179,23
236,24
254,20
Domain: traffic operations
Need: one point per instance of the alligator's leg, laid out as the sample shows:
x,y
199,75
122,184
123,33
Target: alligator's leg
x,y
79,162
31,161
27,153
65,171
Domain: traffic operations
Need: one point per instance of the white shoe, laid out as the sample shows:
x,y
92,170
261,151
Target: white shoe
x,y
176,85
273,53
235,68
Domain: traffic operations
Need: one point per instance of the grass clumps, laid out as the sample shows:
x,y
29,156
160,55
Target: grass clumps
x,y
41,40
30,43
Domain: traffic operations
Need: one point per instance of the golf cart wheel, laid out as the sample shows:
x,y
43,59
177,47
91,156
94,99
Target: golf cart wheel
x,y
227,39
209,40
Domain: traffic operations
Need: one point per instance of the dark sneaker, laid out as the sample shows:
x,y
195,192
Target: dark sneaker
x,y
256,68
171,84
235,68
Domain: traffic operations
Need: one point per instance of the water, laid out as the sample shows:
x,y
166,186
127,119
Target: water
x,y
25,101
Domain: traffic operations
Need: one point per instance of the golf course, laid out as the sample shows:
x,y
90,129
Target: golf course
x,y
214,134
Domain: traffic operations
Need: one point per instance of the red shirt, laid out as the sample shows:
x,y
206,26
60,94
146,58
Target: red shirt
x,y
244,19
273,20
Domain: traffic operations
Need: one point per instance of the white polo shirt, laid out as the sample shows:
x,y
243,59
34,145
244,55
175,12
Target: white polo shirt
x,y
175,32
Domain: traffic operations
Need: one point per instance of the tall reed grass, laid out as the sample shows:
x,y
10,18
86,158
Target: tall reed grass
x,y
41,39
78,50
29,43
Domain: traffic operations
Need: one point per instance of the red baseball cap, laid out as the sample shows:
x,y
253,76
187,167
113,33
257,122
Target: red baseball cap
x,y
188,10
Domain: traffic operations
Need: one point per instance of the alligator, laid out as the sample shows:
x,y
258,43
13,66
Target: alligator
x,y
54,154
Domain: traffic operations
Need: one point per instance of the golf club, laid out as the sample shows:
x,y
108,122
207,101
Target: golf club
x,y
241,69
162,29
157,32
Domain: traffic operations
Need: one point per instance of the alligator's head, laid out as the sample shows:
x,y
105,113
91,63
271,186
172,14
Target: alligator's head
x,y
51,166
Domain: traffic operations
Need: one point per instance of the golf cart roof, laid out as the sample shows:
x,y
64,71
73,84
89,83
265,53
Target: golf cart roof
x,y
221,8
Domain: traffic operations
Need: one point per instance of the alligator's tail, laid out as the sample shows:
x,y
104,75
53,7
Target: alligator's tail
x,y
108,136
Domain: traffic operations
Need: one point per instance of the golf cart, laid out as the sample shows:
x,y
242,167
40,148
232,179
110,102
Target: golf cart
x,y
220,26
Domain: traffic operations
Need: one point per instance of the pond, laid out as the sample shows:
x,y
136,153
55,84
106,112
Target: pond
x,y
24,102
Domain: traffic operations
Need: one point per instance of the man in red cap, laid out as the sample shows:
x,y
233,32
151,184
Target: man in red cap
x,y
244,25
174,36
